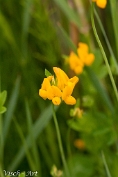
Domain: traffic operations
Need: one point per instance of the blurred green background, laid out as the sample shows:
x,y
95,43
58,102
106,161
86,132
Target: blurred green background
x,y
34,35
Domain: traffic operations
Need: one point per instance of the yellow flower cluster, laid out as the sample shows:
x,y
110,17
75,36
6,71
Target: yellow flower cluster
x,y
100,3
58,89
82,58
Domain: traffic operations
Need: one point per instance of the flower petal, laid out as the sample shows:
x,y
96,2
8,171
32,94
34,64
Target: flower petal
x,y
101,3
50,93
89,59
43,93
53,91
46,83
67,91
56,100
78,70
70,100
62,78
74,80
82,51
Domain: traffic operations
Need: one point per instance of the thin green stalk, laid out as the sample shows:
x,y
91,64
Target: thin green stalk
x,y
68,140
106,39
60,144
103,53
28,154
1,146
105,164
113,6
1,171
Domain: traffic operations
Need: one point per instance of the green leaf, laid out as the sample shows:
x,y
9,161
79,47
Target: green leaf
x,y
100,89
7,31
3,96
11,108
22,174
81,165
88,101
47,73
2,109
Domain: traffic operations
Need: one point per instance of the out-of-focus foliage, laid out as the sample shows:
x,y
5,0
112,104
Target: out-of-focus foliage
x,y
34,36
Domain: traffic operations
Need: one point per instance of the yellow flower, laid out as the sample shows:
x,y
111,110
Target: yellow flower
x,y
59,88
67,91
82,58
62,78
85,57
75,63
45,85
80,144
54,94
100,3
66,94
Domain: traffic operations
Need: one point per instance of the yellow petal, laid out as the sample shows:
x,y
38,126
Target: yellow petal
x,y
70,100
82,51
83,47
43,93
89,59
78,70
67,91
53,91
56,100
75,62
50,93
74,80
56,91
101,3
62,78
46,83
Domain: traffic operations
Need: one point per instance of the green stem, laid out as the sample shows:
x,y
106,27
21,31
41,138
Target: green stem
x,y
103,53
107,41
105,164
68,140
60,144
113,6
1,171
1,146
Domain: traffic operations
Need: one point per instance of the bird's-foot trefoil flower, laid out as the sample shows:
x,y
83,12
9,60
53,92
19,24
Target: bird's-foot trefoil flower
x,y
84,55
59,88
101,3
82,58
45,86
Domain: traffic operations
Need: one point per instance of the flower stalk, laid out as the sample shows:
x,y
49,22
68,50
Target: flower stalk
x,y
103,53
60,144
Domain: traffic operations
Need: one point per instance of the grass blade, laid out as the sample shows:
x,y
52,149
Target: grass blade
x,y
34,149
37,128
10,108
106,39
69,12
103,53
29,157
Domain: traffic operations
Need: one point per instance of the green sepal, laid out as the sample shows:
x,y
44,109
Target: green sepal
x,y
47,73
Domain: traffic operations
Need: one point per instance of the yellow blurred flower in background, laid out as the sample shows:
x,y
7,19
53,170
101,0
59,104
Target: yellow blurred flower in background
x,y
83,57
101,3
80,144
